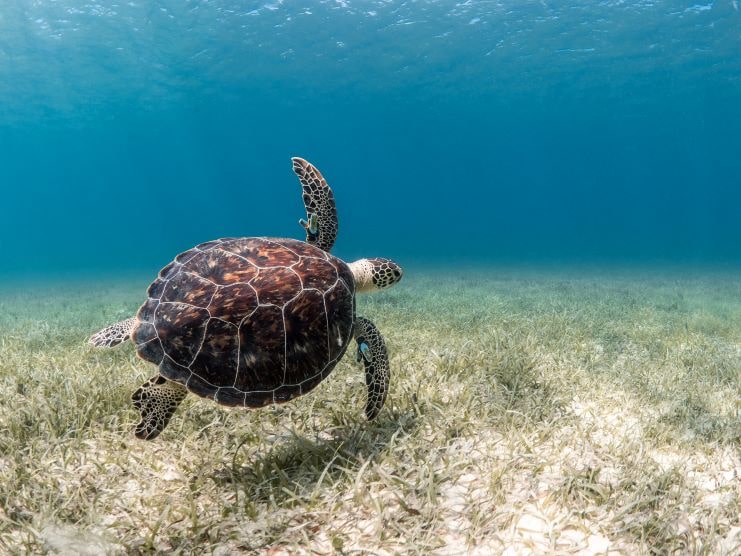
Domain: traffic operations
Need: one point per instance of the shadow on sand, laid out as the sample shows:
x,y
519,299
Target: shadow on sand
x,y
292,466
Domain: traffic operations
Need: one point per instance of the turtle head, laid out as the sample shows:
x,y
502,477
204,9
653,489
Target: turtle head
x,y
372,275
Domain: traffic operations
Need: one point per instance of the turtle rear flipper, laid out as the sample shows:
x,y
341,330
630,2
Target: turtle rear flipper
x,y
372,351
156,399
114,334
321,212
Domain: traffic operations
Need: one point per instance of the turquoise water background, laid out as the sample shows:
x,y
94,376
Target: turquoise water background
x,y
486,132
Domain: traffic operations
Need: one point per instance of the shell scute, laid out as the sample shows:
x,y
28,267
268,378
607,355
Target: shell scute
x,y
233,303
220,267
286,392
262,350
230,396
181,328
276,286
156,288
194,383
258,398
216,361
148,344
144,332
306,336
184,257
206,245
339,304
172,370
146,312
264,254
316,273
168,270
190,288
345,275
152,351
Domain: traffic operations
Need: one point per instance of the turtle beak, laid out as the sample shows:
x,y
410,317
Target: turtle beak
x,y
396,271
392,271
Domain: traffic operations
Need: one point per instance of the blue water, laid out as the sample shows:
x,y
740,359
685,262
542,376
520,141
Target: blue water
x,y
526,132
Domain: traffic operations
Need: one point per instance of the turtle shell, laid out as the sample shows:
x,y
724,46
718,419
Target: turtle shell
x,y
248,321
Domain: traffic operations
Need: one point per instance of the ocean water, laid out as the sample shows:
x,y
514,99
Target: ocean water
x,y
479,132
560,180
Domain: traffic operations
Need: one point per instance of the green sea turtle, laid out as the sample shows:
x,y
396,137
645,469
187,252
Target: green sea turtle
x,y
256,321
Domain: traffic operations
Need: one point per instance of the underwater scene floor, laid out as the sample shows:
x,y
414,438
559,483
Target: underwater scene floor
x,y
529,411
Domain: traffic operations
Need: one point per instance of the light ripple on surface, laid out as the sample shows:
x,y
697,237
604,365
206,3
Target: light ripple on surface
x,y
59,55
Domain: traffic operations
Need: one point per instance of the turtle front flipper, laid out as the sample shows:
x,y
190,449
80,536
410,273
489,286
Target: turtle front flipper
x,y
321,212
372,351
114,334
156,399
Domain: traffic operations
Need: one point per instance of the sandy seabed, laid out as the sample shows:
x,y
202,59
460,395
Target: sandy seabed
x,y
546,412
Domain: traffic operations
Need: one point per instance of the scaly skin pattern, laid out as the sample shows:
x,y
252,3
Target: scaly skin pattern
x,y
113,334
248,321
157,399
385,272
375,274
376,362
318,201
